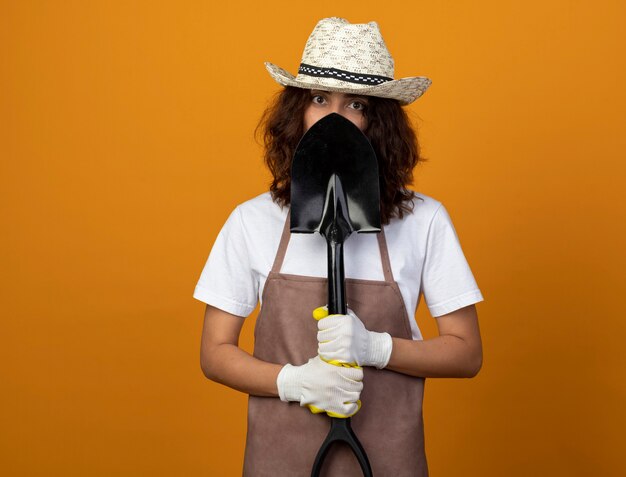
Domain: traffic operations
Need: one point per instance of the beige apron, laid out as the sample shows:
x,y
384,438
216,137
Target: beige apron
x,y
284,438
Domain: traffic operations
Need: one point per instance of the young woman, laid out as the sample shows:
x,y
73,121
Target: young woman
x,y
345,69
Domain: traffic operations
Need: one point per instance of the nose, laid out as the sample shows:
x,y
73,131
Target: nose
x,y
335,108
339,109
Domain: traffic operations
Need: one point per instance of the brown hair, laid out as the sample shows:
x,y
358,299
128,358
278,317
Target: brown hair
x,y
388,129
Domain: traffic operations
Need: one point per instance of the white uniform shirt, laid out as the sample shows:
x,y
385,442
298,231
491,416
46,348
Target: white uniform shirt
x,y
424,251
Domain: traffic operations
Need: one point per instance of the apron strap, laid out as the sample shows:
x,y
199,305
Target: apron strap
x,y
282,247
284,242
384,255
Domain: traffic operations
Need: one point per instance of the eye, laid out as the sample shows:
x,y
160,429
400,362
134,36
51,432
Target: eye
x,y
358,105
318,99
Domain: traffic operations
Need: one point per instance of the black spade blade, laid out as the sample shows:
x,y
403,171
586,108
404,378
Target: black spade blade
x,y
334,180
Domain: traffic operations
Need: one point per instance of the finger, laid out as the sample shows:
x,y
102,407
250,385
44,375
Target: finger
x,y
349,395
343,410
330,322
325,336
352,377
333,357
353,374
329,347
350,409
353,314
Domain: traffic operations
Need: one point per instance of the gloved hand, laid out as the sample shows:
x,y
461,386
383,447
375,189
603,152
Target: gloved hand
x,y
322,387
344,340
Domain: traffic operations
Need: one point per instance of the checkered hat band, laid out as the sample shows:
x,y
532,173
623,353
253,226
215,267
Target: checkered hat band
x,y
342,75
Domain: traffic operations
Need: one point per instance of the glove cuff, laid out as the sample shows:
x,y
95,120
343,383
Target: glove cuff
x,y
289,383
379,349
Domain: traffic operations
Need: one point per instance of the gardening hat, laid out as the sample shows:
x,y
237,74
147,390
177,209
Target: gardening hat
x,y
350,58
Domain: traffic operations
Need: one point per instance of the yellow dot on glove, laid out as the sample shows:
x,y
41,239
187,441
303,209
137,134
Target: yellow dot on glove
x,y
319,313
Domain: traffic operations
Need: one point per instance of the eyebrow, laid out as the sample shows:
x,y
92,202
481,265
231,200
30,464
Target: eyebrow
x,y
349,95
359,96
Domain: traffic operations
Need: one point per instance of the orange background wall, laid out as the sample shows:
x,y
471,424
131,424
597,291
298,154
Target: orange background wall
x,y
126,138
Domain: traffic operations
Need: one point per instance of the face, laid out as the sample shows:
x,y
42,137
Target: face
x,y
322,103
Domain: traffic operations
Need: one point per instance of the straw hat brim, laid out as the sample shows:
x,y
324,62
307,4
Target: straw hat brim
x,y
405,90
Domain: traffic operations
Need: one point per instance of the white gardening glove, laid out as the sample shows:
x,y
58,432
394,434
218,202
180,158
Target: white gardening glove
x,y
344,340
322,387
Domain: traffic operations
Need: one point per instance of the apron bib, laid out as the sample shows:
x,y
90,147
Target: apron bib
x,y
284,438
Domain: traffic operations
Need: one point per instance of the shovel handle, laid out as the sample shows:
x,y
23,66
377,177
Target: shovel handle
x,y
341,430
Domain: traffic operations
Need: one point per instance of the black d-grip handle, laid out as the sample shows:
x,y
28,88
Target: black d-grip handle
x,y
341,430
